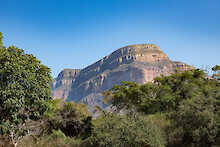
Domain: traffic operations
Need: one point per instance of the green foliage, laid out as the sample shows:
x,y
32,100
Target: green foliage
x,y
73,119
165,94
1,43
55,139
191,99
216,74
112,130
64,124
53,107
24,91
194,124
179,86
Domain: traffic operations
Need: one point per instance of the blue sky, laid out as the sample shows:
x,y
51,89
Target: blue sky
x,y
77,33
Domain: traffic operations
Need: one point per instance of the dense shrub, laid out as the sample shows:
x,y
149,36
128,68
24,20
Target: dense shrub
x,y
112,130
194,124
73,119
55,139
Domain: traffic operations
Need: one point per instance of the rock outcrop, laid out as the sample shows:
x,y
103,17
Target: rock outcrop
x,y
140,63
61,85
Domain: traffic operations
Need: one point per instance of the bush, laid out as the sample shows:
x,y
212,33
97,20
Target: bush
x,y
194,124
73,119
55,139
111,130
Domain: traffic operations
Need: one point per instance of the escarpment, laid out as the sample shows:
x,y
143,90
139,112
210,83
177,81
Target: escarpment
x,y
139,63
63,83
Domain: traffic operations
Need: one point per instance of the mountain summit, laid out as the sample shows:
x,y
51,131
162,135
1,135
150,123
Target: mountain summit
x,y
140,63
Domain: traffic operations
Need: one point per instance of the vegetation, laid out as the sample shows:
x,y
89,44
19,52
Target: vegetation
x,y
24,91
194,124
180,110
165,94
72,119
189,100
126,130
1,38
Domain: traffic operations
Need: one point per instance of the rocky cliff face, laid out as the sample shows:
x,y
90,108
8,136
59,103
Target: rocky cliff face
x,y
140,63
61,85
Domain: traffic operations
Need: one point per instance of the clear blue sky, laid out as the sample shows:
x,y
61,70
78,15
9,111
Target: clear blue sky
x,y
76,33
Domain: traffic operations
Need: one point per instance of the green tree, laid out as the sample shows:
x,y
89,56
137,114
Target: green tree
x,y
124,96
73,119
112,130
165,94
192,97
216,70
194,124
24,91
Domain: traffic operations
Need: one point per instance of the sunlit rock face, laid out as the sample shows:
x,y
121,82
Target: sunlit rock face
x,y
63,83
139,63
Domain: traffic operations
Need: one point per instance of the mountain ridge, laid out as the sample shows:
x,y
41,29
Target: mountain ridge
x,y
140,63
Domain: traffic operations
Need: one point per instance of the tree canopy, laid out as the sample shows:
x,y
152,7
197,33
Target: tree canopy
x,y
73,119
112,130
24,90
165,93
190,100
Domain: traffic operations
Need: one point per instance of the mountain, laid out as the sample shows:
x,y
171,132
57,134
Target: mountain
x,y
140,63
